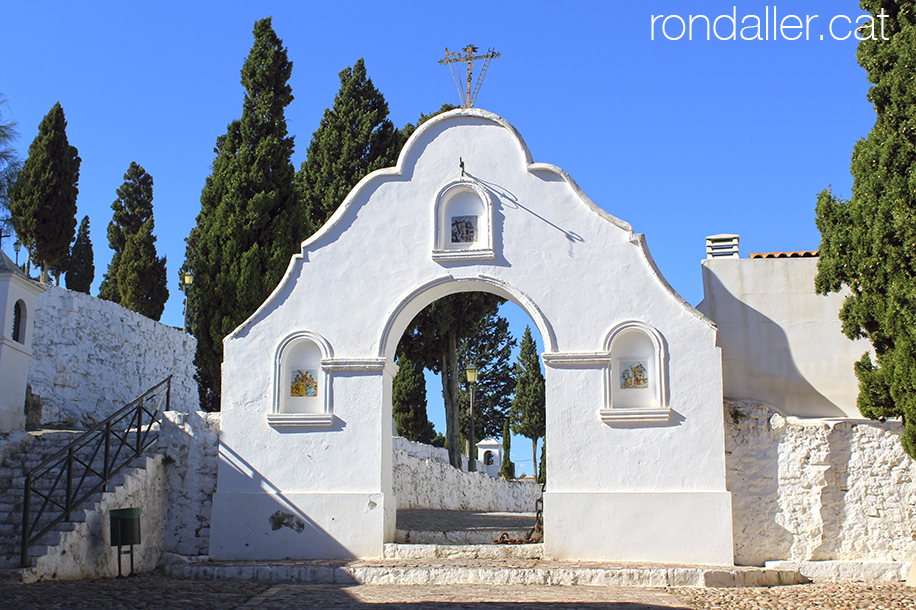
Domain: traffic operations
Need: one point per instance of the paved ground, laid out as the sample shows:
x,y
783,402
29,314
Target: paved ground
x,y
162,593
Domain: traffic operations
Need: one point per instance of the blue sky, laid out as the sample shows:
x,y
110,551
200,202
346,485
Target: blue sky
x,y
680,138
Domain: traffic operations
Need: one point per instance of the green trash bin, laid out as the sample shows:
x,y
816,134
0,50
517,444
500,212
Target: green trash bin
x,y
124,527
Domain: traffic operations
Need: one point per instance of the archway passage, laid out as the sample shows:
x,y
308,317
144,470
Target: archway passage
x,y
441,498
637,471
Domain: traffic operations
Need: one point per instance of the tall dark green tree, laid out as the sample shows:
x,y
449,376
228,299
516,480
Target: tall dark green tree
x,y
528,412
249,224
131,210
490,349
43,198
10,164
142,276
507,468
868,243
432,339
355,138
81,267
408,398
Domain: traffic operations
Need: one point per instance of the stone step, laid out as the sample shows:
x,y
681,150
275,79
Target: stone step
x,y
464,551
454,537
482,572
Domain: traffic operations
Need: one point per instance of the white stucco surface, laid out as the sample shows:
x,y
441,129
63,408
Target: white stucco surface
x,y
818,490
782,343
91,357
15,354
356,285
430,483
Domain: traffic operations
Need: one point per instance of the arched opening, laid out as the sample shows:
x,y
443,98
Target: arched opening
x,y
495,352
19,320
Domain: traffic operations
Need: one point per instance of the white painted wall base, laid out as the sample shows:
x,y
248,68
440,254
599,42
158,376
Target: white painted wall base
x,y
678,527
314,526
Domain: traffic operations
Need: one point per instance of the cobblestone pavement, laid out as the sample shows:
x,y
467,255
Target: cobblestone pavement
x,y
162,593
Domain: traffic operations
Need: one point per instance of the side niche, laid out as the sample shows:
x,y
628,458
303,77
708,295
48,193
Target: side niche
x,y
464,223
636,376
301,385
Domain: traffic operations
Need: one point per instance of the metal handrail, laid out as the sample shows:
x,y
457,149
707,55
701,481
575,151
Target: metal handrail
x,y
72,467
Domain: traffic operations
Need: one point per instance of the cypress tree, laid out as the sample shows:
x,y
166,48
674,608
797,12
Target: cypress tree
x,y
490,349
81,268
355,138
868,243
507,469
249,224
528,411
43,198
141,274
408,399
132,208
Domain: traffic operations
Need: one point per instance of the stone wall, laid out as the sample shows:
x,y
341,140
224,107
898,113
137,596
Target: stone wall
x,y
190,444
818,490
91,357
86,552
428,482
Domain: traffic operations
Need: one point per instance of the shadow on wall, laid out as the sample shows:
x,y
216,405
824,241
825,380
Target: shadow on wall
x,y
286,525
757,359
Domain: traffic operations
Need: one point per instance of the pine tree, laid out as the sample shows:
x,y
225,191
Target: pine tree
x,y
490,349
43,198
132,208
141,277
432,339
249,224
81,268
10,164
408,399
868,243
507,469
528,412
355,138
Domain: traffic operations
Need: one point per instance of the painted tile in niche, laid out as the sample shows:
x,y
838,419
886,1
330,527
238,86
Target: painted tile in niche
x,y
634,375
464,229
304,384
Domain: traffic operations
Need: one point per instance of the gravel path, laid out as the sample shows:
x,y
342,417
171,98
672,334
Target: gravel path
x,y
159,592
850,596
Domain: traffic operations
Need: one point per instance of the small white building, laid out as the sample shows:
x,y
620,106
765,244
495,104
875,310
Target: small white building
x,y
633,375
489,456
17,299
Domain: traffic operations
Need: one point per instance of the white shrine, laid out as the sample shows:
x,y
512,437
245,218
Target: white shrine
x,y
633,375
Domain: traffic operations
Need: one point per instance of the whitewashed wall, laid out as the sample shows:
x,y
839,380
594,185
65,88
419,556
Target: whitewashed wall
x,y
190,444
91,357
428,482
818,490
781,342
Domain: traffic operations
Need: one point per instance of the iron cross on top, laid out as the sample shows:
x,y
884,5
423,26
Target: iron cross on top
x,y
467,97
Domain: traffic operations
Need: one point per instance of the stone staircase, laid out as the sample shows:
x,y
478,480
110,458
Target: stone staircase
x,y
35,448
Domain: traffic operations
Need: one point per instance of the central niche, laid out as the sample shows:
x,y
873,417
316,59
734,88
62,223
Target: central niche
x,y
464,223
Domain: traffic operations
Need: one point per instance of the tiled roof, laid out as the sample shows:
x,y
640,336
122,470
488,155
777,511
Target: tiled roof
x,y
799,254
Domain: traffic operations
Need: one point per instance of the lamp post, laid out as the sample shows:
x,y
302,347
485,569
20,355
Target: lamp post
x,y
186,280
17,246
471,371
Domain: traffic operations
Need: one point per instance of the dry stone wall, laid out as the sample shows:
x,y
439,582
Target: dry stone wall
x,y
91,357
190,444
818,490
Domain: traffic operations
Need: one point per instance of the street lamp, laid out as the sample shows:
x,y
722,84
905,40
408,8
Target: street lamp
x,y
186,280
471,371
17,246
